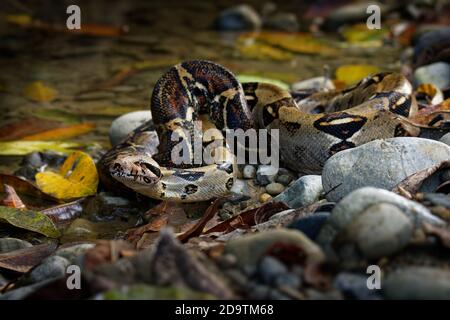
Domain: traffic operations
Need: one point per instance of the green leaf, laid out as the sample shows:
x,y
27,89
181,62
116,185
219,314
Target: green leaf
x,y
29,220
20,148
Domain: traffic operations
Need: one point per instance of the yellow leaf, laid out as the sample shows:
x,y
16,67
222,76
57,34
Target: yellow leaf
x,y
19,19
37,91
61,133
20,148
352,73
77,178
359,34
294,42
262,51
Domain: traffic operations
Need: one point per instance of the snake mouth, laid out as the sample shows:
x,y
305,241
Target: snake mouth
x,y
136,172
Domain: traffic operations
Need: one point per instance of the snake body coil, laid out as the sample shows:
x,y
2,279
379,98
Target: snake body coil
x,y
197,92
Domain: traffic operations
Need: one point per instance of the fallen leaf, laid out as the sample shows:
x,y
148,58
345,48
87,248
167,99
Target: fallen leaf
x,y
106,251
135,234
352,73
361,35
39,92
303,43
21,148
12,200
24,187
29,220
412,183
77,178
197,229
431,115
261,51
64,213
442,233
23,127
149,292
19,19
24,260
62,133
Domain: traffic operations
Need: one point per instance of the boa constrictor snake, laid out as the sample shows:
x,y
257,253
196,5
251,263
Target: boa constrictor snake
x,y
375,108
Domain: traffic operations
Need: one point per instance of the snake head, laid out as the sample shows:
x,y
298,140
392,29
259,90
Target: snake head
x,y
135,170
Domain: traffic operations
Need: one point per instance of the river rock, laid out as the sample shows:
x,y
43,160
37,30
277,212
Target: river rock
x,y
240,190
310,225
126,123
380,163
249,172
274,188
282,21
350,14
317,83
358,201
445,139
380,230
270,268
249,249
50,267
266,174
437,73
303,192
12,244
417,283
238,18
432,46
354,286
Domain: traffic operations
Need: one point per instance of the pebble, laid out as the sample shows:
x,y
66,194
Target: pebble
x,y
352,13
357,202
249,172
81,229
274,188
445,139
380,230
227,261
303,192
270,268
282,21
240,190
432,46
264,197
12,244
437,73
250,248
287,279
310,225
284,179
258,291
50,267
238,18
354,286
380,163
414,282
126,123
266,174
74,252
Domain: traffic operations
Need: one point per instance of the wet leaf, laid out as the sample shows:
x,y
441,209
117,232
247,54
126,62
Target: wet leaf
x,y
261,51
23,127
197,229
24,260
361,35
148,292
100,30
249,218
111,111
352,73
24,187
57,114
443,233
411,185
77,178
29,220
243,78
134,235
19,19
107,251
62,133
39,92
64,213
295,42
12,200
21,148
433,114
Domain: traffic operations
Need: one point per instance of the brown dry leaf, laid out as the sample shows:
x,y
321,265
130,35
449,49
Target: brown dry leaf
x,y
64,213
24,260
39,92
197,229
24,187
62,133
24,127
442,233
428,116
12,200
249,218
412,184
135,234
107,251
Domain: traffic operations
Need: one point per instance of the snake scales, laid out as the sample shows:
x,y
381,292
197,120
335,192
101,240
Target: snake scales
x,y
373,109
